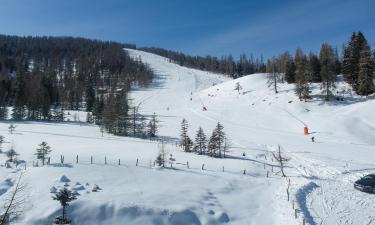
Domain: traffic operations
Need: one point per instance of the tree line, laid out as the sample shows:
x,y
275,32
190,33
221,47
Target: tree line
x,y
356,65
225,65
40,77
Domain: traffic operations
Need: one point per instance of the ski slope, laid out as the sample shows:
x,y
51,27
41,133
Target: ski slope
x,y
234,190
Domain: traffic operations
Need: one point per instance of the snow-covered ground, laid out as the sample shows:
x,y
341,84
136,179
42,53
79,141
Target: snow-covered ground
x,y
256,120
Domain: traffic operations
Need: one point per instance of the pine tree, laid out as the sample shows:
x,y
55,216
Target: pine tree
x,y
152,127
212,145
327,72
43,151
3,111
216,143
290,71
11,154
185,140
365,83
302,78
313,68
352,55
64,196
200,142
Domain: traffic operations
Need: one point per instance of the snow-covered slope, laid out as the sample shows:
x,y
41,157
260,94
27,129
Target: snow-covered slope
x,y
234,190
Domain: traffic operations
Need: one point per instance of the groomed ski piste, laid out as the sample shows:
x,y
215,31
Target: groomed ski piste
x,y
234,190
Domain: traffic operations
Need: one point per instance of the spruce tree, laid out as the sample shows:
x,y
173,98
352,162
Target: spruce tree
x,y
301,78
200,142
216,143
365,83
313,68
64,196
43,151
290,71
11,154
152,127
185,140
327,72
352,55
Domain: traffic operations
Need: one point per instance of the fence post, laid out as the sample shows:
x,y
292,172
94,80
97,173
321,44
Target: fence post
x,y
293,204
136,164
187,164
203,166
77,159
223,168
296,213
272,168
264,165
119,162
91,160
105,160
267,173
244,172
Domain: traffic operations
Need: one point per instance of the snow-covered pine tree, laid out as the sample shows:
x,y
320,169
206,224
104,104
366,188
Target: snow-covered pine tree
x,y
185,140
64,196
327,71
200,142
43,151
365,83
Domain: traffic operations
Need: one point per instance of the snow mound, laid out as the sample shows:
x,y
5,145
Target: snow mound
x,y
64,179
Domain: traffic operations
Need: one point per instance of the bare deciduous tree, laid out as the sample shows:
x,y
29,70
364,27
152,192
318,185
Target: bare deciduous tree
x,y
13,206
282,160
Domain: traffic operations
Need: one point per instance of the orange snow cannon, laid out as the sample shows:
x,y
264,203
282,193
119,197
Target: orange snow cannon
x,y
305,131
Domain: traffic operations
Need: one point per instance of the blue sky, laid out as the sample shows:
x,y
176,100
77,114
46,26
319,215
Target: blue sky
x,y
215,27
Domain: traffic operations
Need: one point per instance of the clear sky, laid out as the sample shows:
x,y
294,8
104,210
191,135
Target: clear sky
x,y
215,27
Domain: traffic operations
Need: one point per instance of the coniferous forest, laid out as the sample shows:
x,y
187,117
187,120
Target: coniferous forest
x,y
40,77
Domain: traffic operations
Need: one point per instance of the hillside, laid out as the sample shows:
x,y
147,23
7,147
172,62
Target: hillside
x,y
255,119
